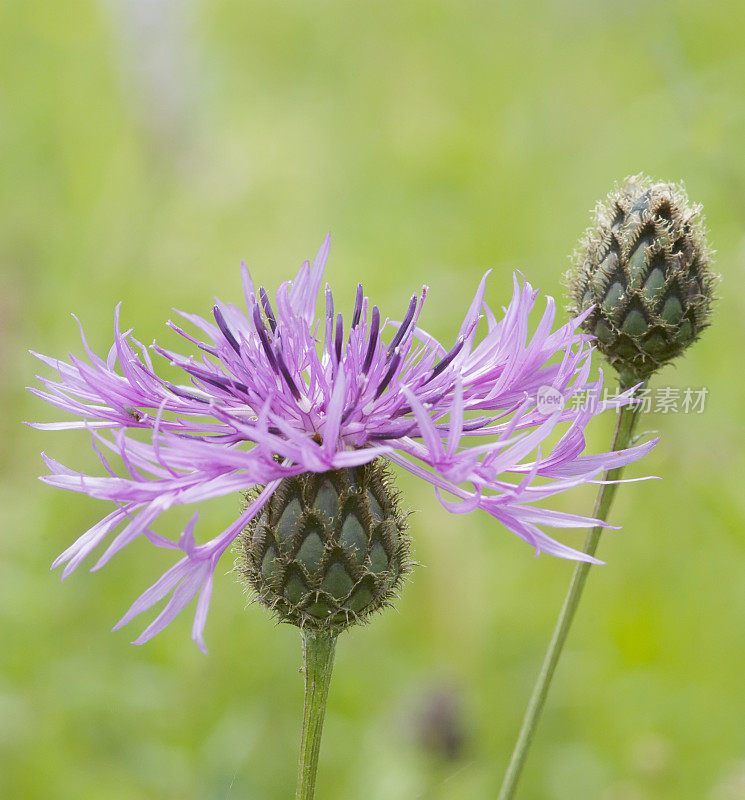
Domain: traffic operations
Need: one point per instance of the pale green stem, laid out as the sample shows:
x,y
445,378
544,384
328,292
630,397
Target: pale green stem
x,y
625,424
318,663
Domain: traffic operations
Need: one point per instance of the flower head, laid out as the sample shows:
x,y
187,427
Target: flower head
x,y
277,392
643,271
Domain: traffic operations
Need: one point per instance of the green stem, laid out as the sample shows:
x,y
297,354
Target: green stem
x,y
318,663
625,423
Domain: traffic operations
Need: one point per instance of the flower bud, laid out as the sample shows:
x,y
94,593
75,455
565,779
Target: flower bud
x,y
328,549
644,264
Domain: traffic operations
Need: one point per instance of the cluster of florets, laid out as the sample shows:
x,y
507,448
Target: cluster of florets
x,y
279,393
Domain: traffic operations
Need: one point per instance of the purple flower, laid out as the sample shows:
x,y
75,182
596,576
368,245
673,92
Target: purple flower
x,y
277,391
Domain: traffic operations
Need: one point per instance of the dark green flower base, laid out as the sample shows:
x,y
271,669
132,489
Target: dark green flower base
x,y
329,548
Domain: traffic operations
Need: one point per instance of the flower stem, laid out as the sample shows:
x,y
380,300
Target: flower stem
x,y
318,663
625,423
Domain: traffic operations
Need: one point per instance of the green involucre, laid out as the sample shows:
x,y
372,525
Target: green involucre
x,y
645,265
328,549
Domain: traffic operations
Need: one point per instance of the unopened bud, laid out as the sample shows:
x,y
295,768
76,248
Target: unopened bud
x,y
645,265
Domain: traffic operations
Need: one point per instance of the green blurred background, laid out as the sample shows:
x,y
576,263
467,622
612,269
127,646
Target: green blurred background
x,y
146,148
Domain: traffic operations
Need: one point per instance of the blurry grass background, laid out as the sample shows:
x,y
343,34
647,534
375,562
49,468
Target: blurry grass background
x,y
148,146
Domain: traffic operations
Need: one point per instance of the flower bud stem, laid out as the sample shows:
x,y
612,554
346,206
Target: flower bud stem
x,y
318,663
625,423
